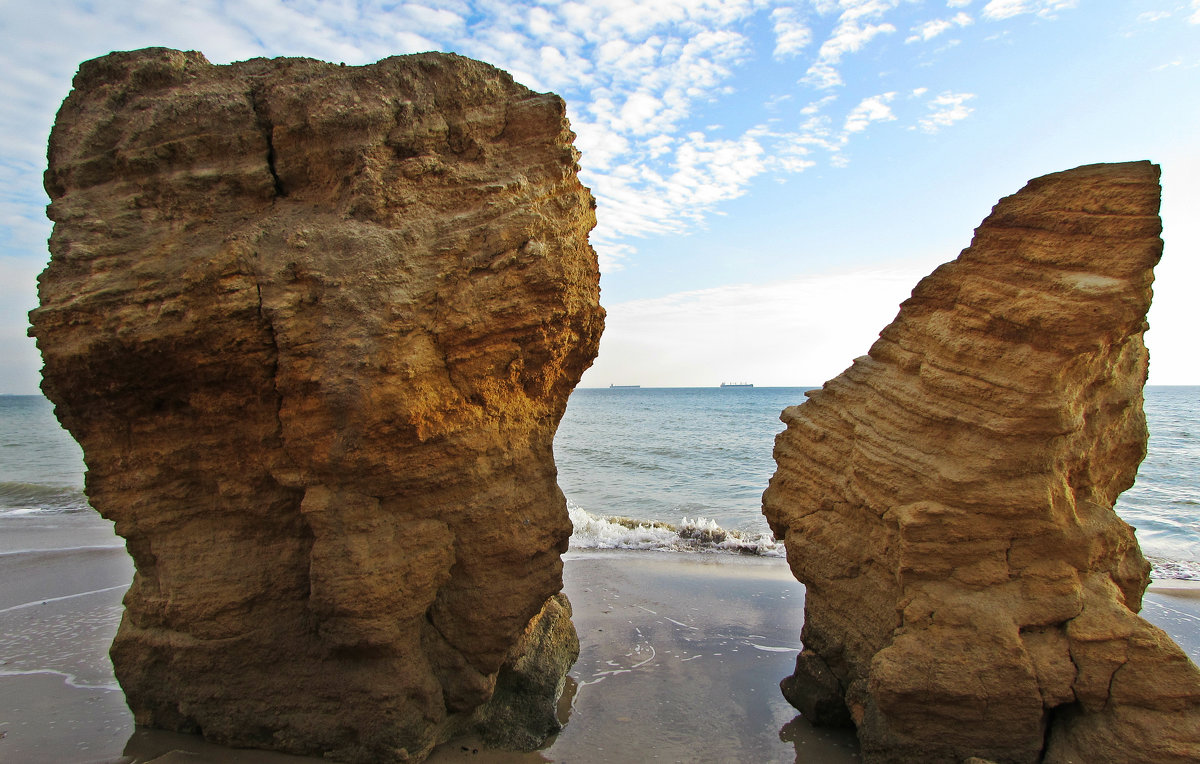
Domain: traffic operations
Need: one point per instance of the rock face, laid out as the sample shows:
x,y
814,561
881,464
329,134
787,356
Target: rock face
x,y
947,501
315,327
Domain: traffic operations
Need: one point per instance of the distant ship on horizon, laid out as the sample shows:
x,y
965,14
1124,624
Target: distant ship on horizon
x,y
624,387
736,384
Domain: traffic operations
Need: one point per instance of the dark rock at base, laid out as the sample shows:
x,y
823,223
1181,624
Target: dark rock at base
x,y
815,691
523,711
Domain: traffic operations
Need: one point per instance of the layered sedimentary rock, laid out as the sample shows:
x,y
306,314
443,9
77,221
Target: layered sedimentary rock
x,y
315,327
947,501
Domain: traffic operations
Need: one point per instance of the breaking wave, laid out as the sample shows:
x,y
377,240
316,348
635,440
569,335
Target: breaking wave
x,y
690,535
701,535
1162,569
29,498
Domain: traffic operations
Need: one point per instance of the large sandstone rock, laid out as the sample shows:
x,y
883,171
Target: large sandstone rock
x,y
315,327
947,501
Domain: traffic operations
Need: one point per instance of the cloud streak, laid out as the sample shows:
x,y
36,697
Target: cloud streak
x,y
791,34
852,32
873,109
822,320
936,27
997,10
944,110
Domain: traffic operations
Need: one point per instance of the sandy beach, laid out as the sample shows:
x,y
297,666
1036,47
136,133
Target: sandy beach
x,y
680,660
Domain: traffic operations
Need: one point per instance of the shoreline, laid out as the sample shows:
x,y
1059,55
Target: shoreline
x,y
680,653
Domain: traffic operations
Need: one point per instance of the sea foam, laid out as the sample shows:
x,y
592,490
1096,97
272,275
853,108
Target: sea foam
x,y
689,535
1178,570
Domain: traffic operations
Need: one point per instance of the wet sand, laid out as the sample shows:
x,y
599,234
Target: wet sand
x,y
680,661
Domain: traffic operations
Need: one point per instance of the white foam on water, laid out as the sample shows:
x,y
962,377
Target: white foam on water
x,y
19,511
70,679
707,536
690,535
1180,570
771,649
37,603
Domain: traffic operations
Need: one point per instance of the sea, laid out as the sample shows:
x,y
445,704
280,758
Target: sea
x,y
664,470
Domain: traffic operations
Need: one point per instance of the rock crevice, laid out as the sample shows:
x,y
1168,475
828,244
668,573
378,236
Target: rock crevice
x,y
264,124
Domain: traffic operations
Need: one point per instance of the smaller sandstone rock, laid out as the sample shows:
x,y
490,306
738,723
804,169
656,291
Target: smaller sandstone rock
x,y
948,502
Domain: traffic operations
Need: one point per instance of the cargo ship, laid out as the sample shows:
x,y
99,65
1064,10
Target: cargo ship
x,y
736,384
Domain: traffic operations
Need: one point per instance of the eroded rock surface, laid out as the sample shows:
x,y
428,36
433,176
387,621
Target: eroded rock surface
x,y
947,501
315,327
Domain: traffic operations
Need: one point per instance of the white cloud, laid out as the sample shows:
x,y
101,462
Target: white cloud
x,y
850,35
791,34
997,10
873,109
1004,9
639,113
818,131
945,110
603,147
1173,63
711,171
851,39
794,159
1195,17
632,73
816,106
957,3
776,101
931,29
637,201
1152,16
822,76
824,321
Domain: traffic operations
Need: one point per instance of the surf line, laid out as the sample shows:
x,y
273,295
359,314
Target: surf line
x,y
17,552
70,679
35,603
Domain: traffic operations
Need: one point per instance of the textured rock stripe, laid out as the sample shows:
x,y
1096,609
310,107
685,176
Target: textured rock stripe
x,y
315,327
947,501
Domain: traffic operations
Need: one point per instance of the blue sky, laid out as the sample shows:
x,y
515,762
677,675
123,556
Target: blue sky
x,y
772,177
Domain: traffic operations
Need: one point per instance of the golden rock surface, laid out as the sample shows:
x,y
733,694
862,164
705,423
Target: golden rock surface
x,y
315,327
948,501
